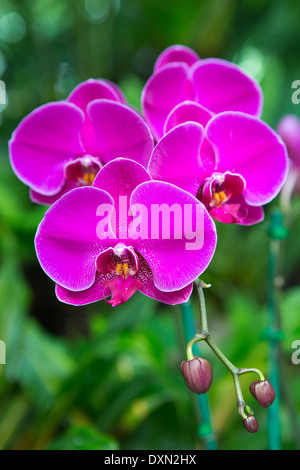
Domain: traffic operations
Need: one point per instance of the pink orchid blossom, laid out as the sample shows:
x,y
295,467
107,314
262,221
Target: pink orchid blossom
x,y
216,84
91,257
62,145
233,162
289,130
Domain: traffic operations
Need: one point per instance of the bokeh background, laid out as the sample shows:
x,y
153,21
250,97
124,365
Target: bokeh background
x,y
101,378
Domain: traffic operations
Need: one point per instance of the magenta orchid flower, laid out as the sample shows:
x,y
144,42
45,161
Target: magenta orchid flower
x,y
63,145
216,84
289,130
98,242
234,163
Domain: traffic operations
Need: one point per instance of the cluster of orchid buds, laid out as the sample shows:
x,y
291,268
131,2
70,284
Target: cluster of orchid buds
x,y
198,374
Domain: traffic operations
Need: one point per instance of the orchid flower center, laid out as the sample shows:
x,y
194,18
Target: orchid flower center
x,y
221,188
218,197
222,195
121,267
83,171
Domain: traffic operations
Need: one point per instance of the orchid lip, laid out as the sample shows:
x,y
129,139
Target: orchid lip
x,y
83,170
128,256
222,194
221,188
111,260
122,289
121,263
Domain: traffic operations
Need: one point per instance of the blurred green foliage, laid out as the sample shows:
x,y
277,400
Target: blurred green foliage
x,y
101,378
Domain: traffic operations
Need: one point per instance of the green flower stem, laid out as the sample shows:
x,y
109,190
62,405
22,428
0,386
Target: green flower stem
x,y
205,430
235,372
232,369
277,232
200,285
204,335
235,375
255,371
189,348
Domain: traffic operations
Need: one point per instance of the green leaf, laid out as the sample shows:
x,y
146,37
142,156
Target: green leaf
x,y
83,438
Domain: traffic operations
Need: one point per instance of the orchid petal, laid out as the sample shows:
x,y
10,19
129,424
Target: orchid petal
x,y
91,90
255,214
247,146
120,177
67,242
119,132
87,92
223,86
176,53
187,111
96,292
43,143
237,211
148,288
165,89
174,260
289,130
49,200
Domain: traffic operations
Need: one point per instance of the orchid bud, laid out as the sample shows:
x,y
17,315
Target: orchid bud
x,y
263,392
198,374
250,424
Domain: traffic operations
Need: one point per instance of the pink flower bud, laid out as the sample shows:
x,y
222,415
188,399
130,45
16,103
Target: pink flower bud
x,y
263,392
198,374
250,424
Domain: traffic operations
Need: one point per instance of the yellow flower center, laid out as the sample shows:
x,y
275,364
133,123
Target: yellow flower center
x,y
89,177
122,269
218,198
